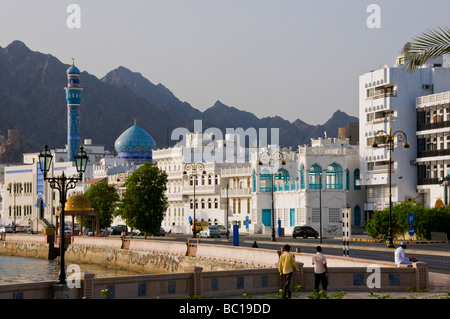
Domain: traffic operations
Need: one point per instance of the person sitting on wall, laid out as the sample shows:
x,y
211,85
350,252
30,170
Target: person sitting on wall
x,y
400,256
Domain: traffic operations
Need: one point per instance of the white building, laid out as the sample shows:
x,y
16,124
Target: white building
x,y
387,101
244,189
433,148
29,201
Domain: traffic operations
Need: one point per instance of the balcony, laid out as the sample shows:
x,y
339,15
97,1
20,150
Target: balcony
x,y
201,189
245,171
382,95
433,153
432,126
236,192
428,181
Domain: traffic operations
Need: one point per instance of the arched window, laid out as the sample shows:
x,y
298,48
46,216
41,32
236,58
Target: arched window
x,y
265,181
347,179
334,177
302,177
356,177
315,177
282,176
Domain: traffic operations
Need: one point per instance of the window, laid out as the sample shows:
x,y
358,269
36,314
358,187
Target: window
x,y
334,176
315,177
315,215
302,177
282,176
265,181
347,179
356,177
334,215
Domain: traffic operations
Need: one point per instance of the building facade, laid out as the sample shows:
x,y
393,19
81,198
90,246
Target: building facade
x,y
387,103
312,188
433,148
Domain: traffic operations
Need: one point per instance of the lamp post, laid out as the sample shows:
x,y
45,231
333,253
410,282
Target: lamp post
x,y
226,216
62,184
270,157
388,141
193,168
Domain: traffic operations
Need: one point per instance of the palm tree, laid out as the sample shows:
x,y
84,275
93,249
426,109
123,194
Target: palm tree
x,y
426,46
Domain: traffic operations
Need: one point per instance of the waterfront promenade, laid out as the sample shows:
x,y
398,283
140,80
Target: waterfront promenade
x,y
212,271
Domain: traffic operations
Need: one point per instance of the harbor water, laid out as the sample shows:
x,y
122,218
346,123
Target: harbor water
x,y
16,269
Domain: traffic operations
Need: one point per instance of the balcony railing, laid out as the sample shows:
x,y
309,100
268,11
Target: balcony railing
x,y
433,153
236,192
428,181
432,126
382,95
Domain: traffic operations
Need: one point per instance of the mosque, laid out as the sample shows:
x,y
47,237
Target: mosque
x,y
254,197
26,200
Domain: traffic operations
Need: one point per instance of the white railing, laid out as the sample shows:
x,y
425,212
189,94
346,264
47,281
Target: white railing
x,y
233,192
236,171
433,99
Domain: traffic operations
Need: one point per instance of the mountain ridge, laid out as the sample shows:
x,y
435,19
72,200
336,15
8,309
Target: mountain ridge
x,y
32,100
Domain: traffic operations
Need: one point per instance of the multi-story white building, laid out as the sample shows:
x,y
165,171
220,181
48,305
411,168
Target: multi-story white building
x,y
29,201
387,102
245,191
433,148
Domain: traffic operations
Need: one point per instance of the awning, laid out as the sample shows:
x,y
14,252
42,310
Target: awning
x,y
95,180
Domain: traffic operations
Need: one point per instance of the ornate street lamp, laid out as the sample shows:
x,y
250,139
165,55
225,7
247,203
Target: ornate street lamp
x,y
193,168
270,157
388,141
62,184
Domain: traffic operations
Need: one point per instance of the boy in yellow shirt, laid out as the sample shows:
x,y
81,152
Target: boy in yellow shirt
x,y
286,267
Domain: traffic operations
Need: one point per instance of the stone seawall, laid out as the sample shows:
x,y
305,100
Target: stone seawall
x,y
147,257
28,249
144,261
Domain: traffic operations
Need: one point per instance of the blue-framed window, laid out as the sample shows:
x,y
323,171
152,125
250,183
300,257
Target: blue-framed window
x,y
356,178
315,177
282,176
347,179
302,177
265,181
334,177
254,181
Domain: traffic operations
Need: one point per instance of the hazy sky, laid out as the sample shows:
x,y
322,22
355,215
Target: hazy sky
x,y
292,58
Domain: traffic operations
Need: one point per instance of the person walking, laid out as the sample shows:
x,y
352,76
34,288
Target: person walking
x,y
320,269
286,267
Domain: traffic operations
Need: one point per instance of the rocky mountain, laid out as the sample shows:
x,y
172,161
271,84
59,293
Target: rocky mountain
x,y
32,100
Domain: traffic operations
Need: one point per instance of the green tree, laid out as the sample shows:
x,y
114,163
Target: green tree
x,y
144,202
104,199
426,46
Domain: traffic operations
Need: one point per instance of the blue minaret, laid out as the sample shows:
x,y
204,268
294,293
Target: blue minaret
x,y
73,97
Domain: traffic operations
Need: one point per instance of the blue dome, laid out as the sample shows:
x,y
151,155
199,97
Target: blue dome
x,y
135,142
73,70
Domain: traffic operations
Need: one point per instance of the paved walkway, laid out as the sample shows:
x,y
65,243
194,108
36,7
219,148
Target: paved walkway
x,y
439,287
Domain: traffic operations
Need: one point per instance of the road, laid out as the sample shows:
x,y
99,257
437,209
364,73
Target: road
x,y
436,255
